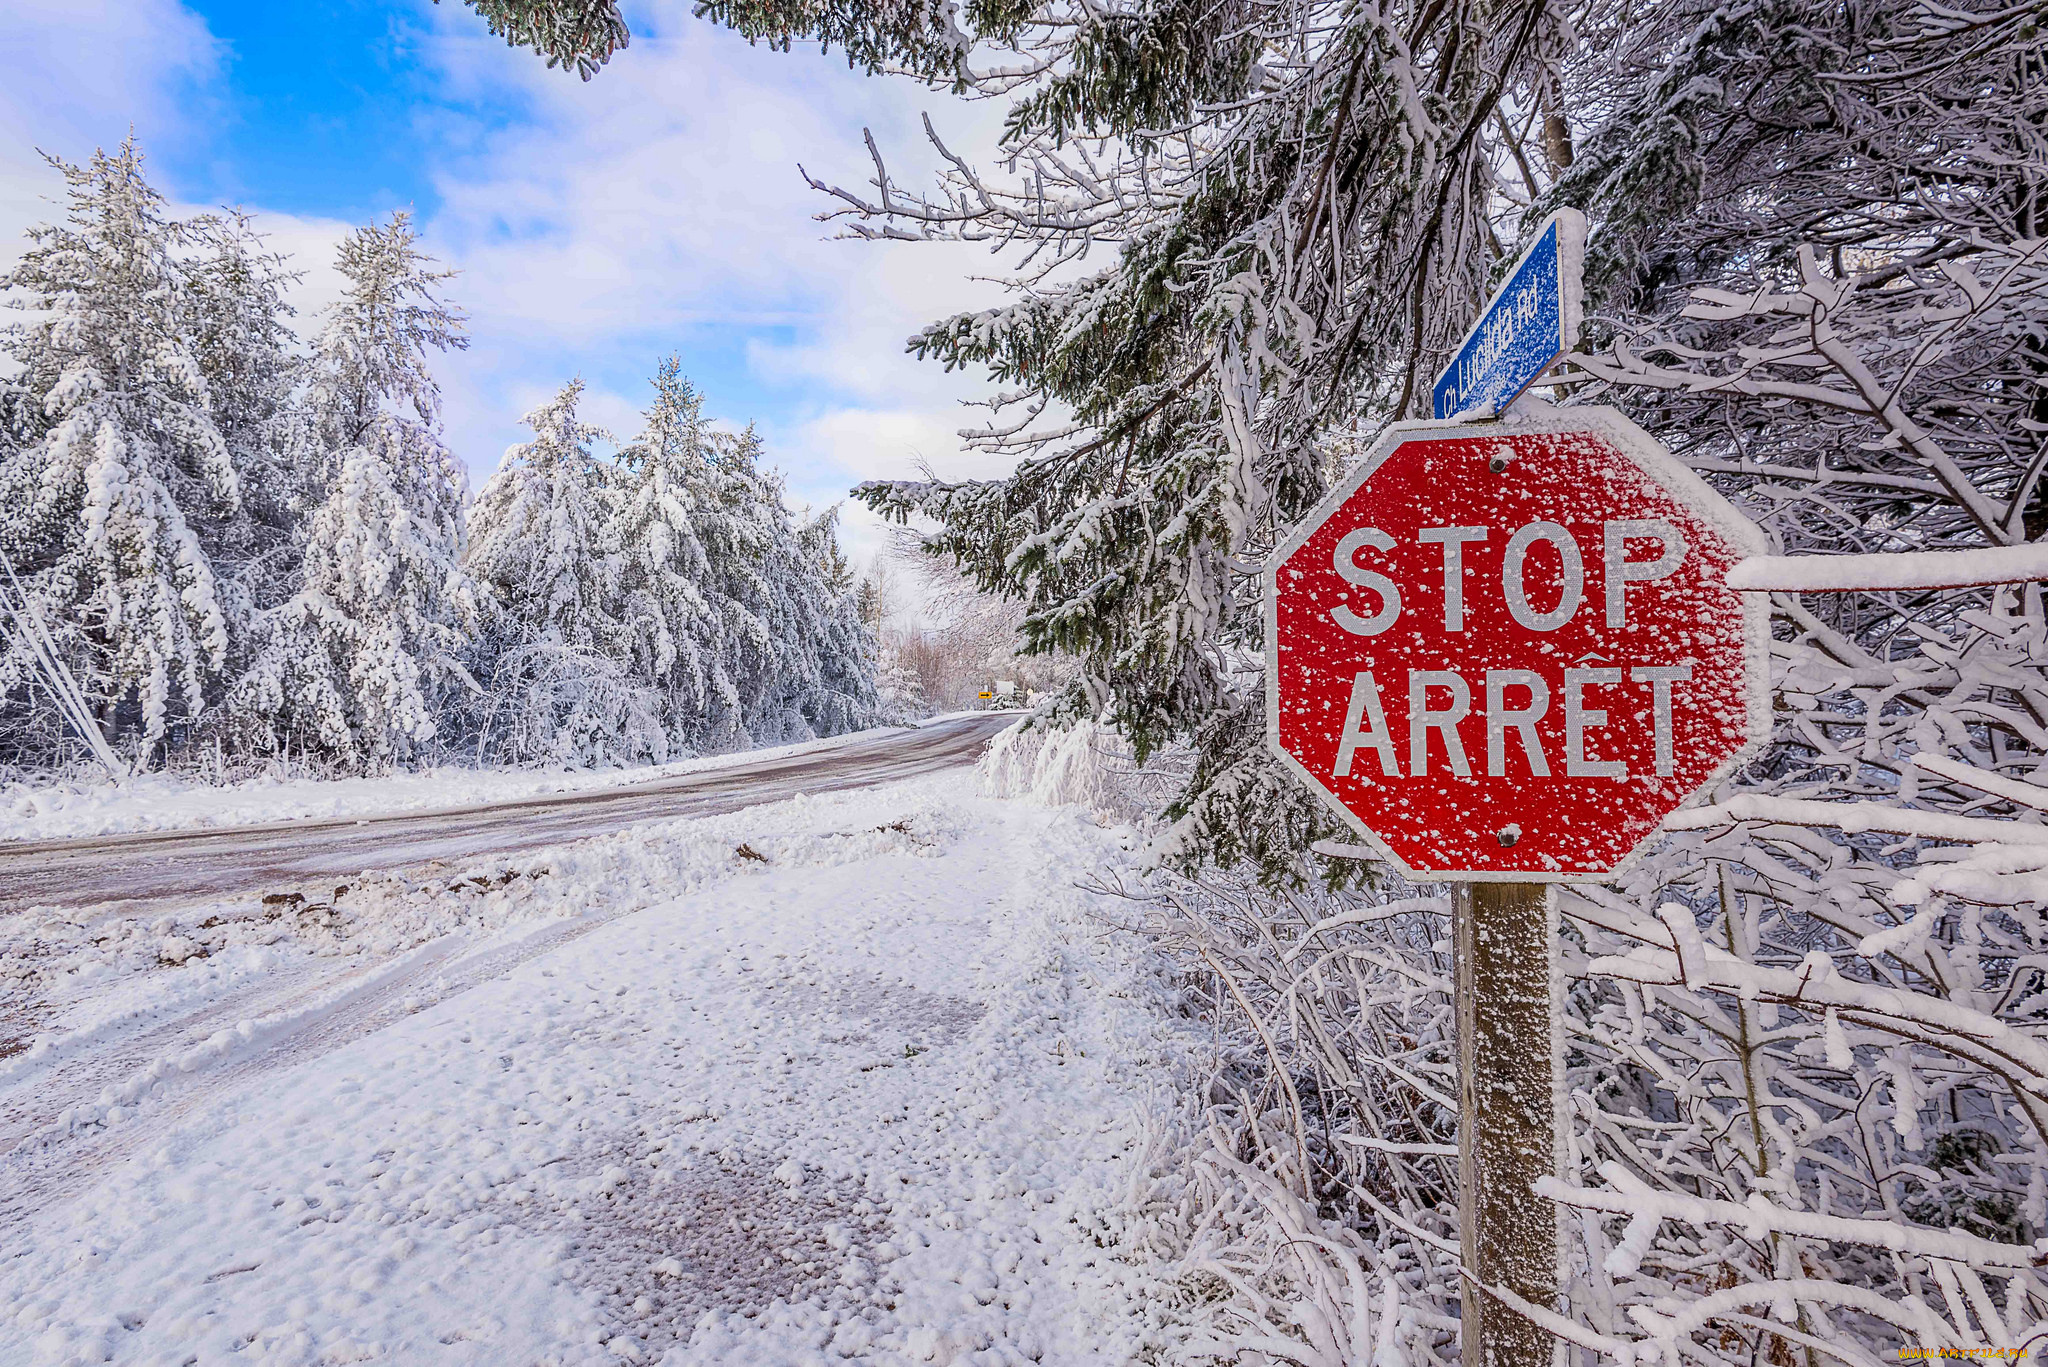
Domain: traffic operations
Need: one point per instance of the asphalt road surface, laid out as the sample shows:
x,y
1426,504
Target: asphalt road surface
x,y
171,865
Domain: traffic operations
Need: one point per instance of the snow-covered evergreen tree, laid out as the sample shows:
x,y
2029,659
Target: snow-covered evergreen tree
x,y
1241,228
737,525
356,662
899,693
672,584
370,366
839,648
111,458
541,535
243,341
664,571
544,551
794,644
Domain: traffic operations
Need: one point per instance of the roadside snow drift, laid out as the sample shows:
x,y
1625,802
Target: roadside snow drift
x,y
58,810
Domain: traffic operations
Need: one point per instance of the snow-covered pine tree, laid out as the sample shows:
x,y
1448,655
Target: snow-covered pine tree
x,y
544,551
541,534
111,457
243,341
793,640
664,570
355,664
737,526
1297,204
663,601
829,644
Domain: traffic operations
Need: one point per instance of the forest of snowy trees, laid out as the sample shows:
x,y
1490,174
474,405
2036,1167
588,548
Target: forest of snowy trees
x,y
227,541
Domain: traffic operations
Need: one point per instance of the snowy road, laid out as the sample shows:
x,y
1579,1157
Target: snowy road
x,y
880,1090
183,864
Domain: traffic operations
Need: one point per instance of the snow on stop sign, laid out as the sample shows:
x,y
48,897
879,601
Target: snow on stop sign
x,y
1506,651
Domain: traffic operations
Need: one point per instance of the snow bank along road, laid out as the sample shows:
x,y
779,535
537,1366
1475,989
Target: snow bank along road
x,y
76,872
852,1076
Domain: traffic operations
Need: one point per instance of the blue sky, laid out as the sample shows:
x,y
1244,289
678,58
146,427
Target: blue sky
x,y
597,225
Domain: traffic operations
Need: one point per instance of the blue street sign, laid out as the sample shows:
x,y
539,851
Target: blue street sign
x,y
1532,319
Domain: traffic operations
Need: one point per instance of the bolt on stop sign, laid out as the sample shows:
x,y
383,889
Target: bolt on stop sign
x,y
1506,651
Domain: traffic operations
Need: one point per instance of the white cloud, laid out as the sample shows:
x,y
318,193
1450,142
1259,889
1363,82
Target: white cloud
x,y
308,246
80,73
838,448
83,73
661,206
82,70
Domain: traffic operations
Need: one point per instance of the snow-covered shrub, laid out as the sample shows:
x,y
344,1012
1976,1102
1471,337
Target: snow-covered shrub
x,y
1807,1055
1806,1051
1805,1044
549,703
1053,760
1041,761
899,693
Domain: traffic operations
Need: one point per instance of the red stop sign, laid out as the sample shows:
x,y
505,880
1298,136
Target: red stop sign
x,y
1507,651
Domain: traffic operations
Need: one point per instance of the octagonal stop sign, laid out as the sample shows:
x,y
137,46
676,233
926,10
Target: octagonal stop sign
x,y
1506,651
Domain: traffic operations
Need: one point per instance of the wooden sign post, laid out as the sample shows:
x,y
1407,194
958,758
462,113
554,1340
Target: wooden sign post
x,y
1510,1129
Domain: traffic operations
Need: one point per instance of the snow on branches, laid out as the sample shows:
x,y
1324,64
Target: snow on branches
x,y
576,35
356,664
1806,1052
1236,229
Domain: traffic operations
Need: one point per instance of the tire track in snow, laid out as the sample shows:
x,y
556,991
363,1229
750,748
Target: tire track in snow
x,y
36,1176
31,1104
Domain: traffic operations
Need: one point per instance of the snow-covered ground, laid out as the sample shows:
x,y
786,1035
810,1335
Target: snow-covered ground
x,y
161,802
856,1077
